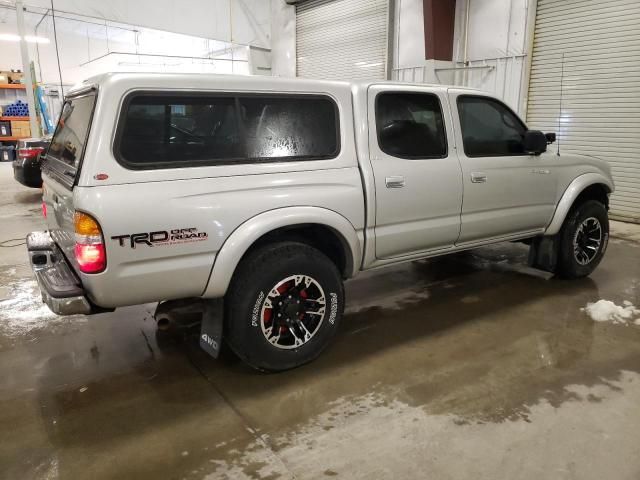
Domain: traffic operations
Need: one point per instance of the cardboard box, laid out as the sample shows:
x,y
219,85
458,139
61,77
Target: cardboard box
x,y
20,128
16,77
10,76
22,133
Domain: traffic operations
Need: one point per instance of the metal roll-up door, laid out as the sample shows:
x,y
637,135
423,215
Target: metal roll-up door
x,y
600,40
342,39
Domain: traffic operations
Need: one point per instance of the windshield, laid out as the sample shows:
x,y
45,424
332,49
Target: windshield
x,y
67,144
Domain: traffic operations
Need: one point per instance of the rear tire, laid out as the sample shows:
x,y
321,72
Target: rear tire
x,y
283,306
583,240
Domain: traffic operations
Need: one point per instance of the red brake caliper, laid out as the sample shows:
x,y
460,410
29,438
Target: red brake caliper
x,y
304,295
281,290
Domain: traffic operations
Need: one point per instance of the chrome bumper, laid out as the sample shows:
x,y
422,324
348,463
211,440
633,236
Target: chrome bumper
x,y
61,289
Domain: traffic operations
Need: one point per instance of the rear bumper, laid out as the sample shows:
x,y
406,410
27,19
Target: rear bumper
x,y
27,173
61,289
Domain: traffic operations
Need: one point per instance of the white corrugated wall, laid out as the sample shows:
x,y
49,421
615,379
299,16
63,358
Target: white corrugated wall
x,y
342,39
600,113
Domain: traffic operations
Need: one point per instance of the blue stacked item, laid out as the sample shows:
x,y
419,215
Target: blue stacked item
x,y
17,109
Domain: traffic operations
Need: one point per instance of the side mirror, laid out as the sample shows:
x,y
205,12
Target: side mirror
x,y
535,142
551,138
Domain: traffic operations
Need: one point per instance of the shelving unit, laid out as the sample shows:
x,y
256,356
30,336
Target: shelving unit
x,y
11,139
10,92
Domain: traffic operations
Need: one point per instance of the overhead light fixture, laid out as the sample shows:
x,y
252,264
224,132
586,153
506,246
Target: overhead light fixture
x,y
10,37
33,39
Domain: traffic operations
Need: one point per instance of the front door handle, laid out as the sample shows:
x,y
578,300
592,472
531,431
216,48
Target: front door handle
x,y
478,177
394,182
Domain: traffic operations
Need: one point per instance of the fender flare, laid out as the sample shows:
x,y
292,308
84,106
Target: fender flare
x,y
575,188
244,236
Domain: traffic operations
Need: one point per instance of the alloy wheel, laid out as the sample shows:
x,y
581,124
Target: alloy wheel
x,y
293,312
587,241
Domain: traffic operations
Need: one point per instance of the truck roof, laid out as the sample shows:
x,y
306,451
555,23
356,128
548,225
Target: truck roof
x,y
241,81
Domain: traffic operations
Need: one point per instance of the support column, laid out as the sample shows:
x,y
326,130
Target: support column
x,y
26,69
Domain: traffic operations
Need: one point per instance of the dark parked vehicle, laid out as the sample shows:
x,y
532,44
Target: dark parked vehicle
x,y
26,166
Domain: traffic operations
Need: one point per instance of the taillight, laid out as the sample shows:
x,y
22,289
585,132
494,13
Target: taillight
x,y
44,205
89,250
30,152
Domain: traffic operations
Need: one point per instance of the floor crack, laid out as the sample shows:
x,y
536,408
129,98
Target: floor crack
x,y
260,439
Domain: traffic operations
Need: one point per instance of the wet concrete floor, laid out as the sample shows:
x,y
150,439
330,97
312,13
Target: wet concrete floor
x,y
468,366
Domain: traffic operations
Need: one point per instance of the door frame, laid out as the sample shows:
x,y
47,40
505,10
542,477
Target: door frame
x,y
370,258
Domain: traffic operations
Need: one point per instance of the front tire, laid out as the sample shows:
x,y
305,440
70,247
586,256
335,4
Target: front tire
x,y
583,240
284,306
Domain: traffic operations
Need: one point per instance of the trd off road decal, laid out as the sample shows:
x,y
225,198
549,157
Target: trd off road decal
x,y
161,237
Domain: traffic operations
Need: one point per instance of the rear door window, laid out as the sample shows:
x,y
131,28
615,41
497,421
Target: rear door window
x,y
410,125
165,131
68,142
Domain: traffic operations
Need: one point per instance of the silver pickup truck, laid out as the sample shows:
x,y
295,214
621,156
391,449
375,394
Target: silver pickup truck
x,y
255,197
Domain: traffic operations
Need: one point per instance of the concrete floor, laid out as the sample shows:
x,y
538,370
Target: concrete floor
x,y
469,366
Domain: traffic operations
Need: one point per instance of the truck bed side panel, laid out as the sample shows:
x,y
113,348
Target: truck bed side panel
x,y
162,237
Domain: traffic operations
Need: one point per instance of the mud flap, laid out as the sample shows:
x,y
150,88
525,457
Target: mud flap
x,y
543,253
211,327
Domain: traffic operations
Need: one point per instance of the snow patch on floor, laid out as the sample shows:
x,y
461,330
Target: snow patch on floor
x,y
22,310
608,311
379,436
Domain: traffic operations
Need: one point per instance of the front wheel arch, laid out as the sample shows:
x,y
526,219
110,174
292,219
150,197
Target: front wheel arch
x,y
590,186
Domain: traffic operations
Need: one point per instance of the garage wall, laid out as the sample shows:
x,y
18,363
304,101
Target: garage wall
x,y
283,39
496,48
408,34
342,39
238,21
89,45
591,98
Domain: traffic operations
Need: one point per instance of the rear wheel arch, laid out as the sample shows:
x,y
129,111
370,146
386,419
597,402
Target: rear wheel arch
x,y
326,230
321,237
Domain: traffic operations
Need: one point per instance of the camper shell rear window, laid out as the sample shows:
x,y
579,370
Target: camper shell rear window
x,y
64,155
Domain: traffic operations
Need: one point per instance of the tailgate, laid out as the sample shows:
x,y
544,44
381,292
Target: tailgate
x,y
61,166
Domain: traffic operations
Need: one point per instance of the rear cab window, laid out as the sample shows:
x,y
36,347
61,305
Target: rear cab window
x,y
172,130
64,156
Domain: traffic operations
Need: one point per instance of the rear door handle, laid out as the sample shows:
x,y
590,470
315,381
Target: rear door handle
x,y
394,182
478,177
